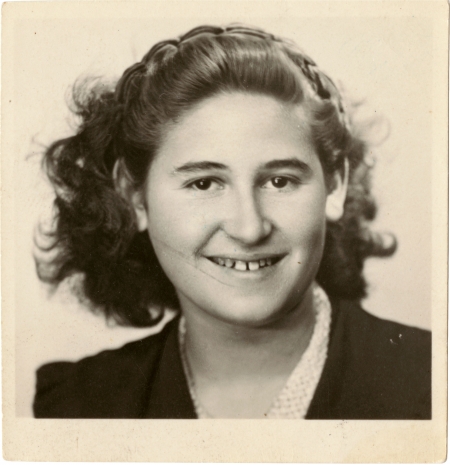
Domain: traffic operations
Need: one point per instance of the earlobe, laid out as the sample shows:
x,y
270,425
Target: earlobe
x,y
141,212
124,187
334,208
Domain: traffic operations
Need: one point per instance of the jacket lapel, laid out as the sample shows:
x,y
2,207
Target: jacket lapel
x,y
327,392
169,396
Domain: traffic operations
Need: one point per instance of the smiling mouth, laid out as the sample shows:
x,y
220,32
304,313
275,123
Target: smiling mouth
x,y
241,265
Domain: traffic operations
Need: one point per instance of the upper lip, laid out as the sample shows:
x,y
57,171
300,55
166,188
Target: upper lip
x,y
246,257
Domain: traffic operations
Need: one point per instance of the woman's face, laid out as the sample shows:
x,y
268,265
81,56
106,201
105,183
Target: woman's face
x,y
236,207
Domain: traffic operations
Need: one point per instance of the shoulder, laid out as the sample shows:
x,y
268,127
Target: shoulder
x,y
382,368
379,338
109,384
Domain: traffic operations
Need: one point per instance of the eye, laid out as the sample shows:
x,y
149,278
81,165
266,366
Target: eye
x,y
204,184
281,183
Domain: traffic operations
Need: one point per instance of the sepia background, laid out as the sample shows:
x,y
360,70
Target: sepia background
x,y
387,62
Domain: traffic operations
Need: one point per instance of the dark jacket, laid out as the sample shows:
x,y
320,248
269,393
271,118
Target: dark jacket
x,y
375,369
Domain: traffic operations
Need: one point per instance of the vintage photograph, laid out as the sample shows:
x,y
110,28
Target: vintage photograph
x,y
227,213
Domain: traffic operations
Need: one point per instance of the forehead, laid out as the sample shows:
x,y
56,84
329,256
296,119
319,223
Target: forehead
x,y
238,128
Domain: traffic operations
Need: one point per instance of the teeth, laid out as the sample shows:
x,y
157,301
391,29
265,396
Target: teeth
x,y
242,265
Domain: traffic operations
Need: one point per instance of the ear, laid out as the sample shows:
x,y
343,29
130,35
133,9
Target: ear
x,y
334,208
124,186
141,212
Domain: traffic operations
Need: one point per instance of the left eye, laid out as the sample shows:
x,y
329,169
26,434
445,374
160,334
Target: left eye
x,y
279,182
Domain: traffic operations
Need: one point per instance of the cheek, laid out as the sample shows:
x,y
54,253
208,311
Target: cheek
x,y
175,228
302,219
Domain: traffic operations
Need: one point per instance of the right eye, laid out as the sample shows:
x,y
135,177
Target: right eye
x,y
205,184
202,184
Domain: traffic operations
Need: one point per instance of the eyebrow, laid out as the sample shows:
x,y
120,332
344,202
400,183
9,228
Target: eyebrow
x,y
195,167
288,163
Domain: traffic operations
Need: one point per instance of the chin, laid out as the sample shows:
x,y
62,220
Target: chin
x,y
252,312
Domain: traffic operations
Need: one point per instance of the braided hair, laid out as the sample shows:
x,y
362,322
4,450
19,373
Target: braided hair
x,y
95,234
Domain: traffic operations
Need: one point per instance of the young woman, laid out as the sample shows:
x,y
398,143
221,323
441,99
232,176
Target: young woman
x,y
224,178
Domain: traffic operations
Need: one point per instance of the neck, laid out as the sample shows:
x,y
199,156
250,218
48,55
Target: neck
x,y
220,351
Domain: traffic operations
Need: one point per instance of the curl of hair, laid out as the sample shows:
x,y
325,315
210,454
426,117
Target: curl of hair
x,y
95,230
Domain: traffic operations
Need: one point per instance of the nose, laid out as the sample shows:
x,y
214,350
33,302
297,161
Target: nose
x,y
245,221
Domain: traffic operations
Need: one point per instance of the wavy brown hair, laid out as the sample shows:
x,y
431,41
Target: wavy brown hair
x,y
95,232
